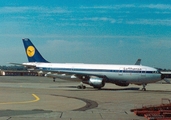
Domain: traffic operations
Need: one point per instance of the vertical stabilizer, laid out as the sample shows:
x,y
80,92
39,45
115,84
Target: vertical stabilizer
x,y
138,62
32,53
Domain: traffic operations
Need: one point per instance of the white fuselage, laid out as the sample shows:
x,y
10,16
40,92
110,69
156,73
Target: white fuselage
x,y
135,74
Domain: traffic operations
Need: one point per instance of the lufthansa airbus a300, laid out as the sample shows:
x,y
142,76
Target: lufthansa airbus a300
x,y
95,75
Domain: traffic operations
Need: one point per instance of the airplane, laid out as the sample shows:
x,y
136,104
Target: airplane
x,y
69,77
95,75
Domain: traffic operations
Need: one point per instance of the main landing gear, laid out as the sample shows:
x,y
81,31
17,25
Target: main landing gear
x,y
54,79
81,86
144,89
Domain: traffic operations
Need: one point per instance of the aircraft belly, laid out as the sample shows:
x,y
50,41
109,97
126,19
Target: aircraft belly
x,y
123,77
134,78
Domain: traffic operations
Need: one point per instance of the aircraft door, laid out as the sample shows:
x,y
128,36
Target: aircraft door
x,y
121,71
143,72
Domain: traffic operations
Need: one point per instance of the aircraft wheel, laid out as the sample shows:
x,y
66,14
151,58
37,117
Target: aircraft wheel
x,y
99,88
54,79
81,87
144,89
84,87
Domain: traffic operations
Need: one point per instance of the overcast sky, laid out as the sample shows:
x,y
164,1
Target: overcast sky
x,y
96,31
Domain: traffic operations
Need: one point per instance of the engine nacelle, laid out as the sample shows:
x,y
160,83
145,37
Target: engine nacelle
x,y
123,84
95,82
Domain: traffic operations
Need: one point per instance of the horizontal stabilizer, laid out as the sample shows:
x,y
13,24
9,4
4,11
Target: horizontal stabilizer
x,y
18,64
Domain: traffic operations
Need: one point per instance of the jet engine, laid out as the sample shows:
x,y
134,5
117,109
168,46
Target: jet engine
x,y
95,82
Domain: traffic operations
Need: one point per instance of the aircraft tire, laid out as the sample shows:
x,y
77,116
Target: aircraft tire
x,y
84,87
99,88
81,87
143,89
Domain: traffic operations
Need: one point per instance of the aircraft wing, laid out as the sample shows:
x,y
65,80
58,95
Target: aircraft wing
x,y
77,74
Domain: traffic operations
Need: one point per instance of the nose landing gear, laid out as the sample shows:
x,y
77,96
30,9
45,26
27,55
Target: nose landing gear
x,y
144,89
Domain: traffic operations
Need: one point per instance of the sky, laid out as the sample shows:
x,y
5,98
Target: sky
x,y
82,31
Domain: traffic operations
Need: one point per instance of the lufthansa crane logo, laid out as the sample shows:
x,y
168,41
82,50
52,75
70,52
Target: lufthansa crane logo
x,y
30,51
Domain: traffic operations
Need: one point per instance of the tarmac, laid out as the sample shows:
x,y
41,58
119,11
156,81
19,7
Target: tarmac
x,y
39,98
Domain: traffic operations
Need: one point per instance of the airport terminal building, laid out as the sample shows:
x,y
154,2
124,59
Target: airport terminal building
x,y
19,73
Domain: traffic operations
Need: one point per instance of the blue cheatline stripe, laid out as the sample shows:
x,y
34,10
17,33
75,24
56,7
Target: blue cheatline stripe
x,y
93,70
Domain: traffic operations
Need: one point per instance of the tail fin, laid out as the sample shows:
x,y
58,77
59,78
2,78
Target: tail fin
x,y
138,62
32,53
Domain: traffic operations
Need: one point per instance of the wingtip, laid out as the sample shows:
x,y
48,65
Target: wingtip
x,y
25,39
